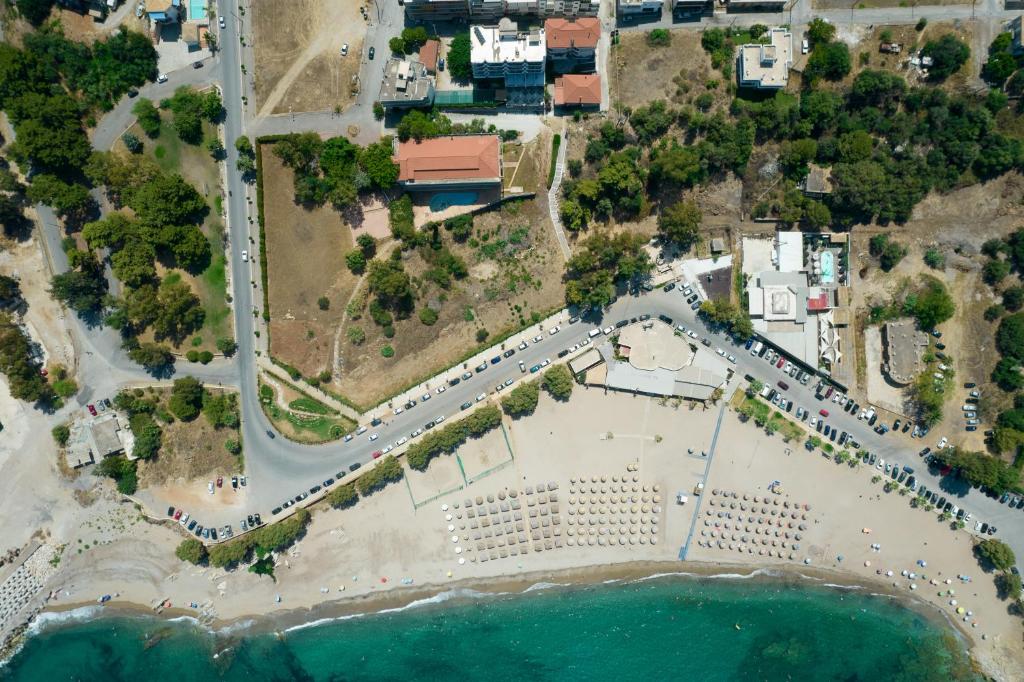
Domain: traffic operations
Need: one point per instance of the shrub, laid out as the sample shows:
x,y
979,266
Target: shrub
x,y
356,335
428,316
558,382
205,357
481,335
997,553
522,400
385,471
61,433
343,496
186,398
323,303
659,37
387,351
191,550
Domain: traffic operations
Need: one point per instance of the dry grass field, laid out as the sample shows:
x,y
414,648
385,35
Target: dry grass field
x,y
298,62
677,73
305,260
190,450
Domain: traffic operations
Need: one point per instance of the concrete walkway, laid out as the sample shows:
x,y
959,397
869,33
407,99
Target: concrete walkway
x,y
553,196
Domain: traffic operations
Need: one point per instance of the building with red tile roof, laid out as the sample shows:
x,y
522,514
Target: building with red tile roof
x,y
578,90
428,55
572,44
449,162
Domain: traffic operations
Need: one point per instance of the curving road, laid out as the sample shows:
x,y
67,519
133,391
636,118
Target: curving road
x,y
278,469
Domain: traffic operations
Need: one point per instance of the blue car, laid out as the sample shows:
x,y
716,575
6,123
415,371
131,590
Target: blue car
x,y
750,342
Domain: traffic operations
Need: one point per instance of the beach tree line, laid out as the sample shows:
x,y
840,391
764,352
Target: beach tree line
x,y
451,436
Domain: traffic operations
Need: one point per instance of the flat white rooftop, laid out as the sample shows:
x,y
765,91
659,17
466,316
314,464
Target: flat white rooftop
x,y
505,44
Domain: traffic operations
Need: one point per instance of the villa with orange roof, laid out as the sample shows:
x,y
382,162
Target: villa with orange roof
x,y
453,162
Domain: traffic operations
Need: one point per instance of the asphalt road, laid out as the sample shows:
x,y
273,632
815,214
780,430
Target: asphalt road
x,y
277,468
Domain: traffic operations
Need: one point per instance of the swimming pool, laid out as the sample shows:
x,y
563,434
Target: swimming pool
x,y
828,267
196,10
443,200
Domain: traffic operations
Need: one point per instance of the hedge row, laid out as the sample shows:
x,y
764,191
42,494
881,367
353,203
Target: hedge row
x,y
452,436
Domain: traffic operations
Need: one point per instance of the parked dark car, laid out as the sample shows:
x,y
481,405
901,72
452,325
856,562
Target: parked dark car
x,y
509,353
783,385
197,65
372,52
454,382
354,466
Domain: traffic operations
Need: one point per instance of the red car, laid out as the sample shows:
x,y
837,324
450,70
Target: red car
x,y
220,481
377,454
92,409
780,363
823,413
177,515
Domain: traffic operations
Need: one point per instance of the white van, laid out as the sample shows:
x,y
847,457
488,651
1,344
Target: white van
x,y
756,348
595,332
968,408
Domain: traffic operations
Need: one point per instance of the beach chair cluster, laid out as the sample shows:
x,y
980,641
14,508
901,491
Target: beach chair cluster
x,y
766,525
613,510
507,524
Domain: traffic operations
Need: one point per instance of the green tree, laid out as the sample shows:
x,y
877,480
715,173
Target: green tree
x,y
71,201
122,470
830,61
148,436
355,261
679,224
934,305
377,161
343,496
180,312
522,400
35,11
152,356
186,398
820,31
995,271
148,117
948,54
191,550
167,200
558,382
997,553
674,164
1009,586
1010,337
83,287
459,57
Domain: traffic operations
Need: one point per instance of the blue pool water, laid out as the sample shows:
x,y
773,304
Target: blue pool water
x,y
443,200
197,9
828,267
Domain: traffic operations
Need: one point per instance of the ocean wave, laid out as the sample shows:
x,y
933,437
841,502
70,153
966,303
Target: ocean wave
x,y
843,587
235,627
52,618
439,598
544,586
717,576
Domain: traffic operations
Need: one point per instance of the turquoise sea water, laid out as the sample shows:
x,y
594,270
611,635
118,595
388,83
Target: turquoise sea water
x,y
657,629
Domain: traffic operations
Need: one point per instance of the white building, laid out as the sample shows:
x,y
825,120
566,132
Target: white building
x,y
766,67
504,53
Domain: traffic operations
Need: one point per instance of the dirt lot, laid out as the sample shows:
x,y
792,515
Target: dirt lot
x,y
862,40
515,271
298,62
305,260
958,224
677,73
190,450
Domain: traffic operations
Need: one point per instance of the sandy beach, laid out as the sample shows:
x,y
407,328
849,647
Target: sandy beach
x,y
405,543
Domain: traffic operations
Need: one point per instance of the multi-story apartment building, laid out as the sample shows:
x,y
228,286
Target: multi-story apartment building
x,y
572,44
517,58
629,9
